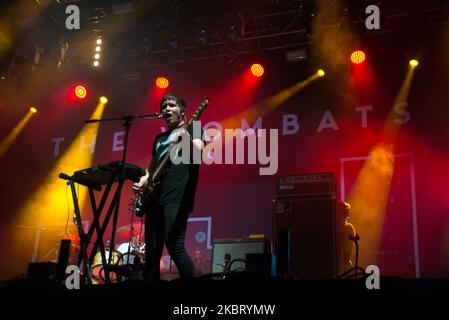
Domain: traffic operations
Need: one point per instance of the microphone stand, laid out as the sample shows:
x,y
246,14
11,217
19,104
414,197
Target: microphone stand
x,y
149,116
127,122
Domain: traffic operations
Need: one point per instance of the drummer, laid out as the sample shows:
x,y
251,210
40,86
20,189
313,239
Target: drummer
x,y
129,254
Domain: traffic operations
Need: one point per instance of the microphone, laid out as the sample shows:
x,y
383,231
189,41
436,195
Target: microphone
x,y
64,176
164,114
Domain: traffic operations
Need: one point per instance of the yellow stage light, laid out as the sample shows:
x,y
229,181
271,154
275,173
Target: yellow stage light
x,y
413,63
33,110
104,100
320,72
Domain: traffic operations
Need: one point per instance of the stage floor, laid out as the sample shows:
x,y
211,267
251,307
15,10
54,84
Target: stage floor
x,y
240,297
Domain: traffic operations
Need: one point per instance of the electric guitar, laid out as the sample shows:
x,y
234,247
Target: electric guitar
x,y
156,175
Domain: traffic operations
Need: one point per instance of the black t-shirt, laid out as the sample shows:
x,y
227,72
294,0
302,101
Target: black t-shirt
x,y
178,182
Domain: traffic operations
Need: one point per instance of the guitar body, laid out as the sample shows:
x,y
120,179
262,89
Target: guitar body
x,y
157,174
145,198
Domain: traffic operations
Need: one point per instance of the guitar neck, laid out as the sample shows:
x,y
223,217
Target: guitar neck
x,y
165,160
157,172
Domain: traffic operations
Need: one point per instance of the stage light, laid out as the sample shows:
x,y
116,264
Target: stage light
x,y
231,36
104,100
320,73
80,91
413,63
33,110
358,57
173,42
96,61
162,82
63,47
257,70
203,38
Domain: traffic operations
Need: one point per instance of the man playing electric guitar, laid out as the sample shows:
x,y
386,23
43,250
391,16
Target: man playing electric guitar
x,y
167,208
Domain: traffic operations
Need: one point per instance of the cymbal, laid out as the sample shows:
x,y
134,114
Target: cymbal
x,y
125,230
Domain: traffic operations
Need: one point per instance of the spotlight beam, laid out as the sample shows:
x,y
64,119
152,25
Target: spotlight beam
x,y
260,109
6,143
48,204
392,126
369,197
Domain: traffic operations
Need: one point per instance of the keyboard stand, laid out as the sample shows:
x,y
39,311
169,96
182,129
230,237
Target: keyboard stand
x,y
109,174
84,239
101,228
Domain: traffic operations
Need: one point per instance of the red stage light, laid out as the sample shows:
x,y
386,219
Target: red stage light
x,y
257,70
358,56
80,92
162,82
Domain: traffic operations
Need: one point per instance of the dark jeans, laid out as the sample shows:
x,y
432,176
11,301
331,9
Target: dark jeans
x,y
166,225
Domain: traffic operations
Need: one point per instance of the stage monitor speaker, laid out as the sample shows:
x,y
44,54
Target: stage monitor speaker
x,y
231,254
307,237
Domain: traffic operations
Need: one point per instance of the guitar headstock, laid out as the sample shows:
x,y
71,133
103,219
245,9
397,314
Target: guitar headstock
x,y
200,110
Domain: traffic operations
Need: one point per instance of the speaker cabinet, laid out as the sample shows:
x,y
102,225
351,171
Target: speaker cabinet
x,y
307,234
231,254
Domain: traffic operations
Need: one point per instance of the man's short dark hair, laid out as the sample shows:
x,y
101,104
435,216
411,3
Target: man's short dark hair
x,y
179,101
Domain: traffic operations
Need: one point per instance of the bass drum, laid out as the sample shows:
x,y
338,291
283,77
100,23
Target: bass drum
x,y
116,257
98,272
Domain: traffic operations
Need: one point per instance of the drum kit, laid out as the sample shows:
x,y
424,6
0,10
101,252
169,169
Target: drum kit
x,y
126,259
